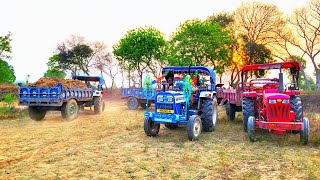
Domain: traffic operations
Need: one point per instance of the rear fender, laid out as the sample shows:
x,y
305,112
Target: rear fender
x,y
205,95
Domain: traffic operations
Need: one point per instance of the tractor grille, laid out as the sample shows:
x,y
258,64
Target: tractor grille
x,y
165,106
279,111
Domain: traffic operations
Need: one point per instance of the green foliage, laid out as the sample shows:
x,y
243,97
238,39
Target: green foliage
x,y
199,43
5,46
6,72
303,85
9,99
224,19
139,49
54,73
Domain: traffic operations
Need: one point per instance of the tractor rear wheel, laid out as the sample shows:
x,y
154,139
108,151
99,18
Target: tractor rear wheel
x,y
144,105
36,114
69,110
194,127
251,128
296,107
247,111
304,134
98,105
133,103
171,126
209,108
150,127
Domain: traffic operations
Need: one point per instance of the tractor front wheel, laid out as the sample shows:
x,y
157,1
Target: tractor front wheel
x,y
304,134
36,114
251,128
133,103
98,104
69,110
209,108
150,127
247,111
194,127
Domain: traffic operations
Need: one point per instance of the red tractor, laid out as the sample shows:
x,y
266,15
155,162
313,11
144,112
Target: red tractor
x,y
269,104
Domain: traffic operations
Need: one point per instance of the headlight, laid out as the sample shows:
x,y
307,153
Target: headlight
x,y
272,101
285,101
170,98
159,98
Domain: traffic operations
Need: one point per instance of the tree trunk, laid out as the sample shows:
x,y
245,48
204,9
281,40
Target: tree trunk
x,y
305,77
140,74
317,79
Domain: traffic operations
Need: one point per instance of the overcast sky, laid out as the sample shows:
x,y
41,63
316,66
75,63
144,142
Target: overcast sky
x,y
37,26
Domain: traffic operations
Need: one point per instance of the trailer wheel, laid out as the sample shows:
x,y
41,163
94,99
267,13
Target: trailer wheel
x,y
150,127
232,111
296,107
98,105
171,126
69,110
36,114
194,127
144,105
247,111
251,128
133,103
209,108
304,134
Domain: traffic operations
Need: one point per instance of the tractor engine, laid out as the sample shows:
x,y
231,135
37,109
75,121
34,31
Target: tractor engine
x,y
277,108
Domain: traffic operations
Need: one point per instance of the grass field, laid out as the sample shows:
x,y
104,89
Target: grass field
x,y
114,146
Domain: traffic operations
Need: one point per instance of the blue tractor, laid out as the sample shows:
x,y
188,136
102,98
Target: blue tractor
x,y
173,109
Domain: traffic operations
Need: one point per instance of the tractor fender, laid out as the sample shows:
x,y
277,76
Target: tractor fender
x,y
207,94
97,93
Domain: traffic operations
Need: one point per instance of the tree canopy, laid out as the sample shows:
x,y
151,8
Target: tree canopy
x,y
6,73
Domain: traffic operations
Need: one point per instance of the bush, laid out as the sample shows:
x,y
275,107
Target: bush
x,y
9,99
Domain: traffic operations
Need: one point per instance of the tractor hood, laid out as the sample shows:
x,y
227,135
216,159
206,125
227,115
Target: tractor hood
x,y
276,96
170,97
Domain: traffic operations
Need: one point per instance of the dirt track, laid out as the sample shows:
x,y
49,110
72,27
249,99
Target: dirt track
x,y
114,145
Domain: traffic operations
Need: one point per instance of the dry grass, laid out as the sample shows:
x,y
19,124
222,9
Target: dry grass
x,y
114,146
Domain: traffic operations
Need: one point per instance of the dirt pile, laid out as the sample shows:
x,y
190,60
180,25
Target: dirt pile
x,y
5,89
49,82
311,102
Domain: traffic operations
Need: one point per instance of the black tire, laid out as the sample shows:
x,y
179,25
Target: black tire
x,y
69,110
209,108
194,127
133,103
304,134
247,111
296,107
171,126
98,105
144,105
36,114
251,128
232,111
150,128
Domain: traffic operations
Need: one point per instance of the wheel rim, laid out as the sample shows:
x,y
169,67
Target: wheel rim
x,y
72,109
197,128
132,102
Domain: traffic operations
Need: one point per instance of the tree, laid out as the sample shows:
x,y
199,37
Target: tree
x,y
6,73
77,55
138,49
223,19
5,46
257,21
54,73
306,22
199,43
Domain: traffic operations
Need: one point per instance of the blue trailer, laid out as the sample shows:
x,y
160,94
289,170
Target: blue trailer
x,y
173,109
136,98
59,98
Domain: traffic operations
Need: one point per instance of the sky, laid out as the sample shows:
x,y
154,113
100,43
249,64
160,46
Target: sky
x,y
37,26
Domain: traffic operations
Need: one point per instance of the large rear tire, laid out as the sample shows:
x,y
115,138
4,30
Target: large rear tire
x,y
194,127
247,111
209,108
304,134
98,105
133,103
296,107
150,127
69,110
36,113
